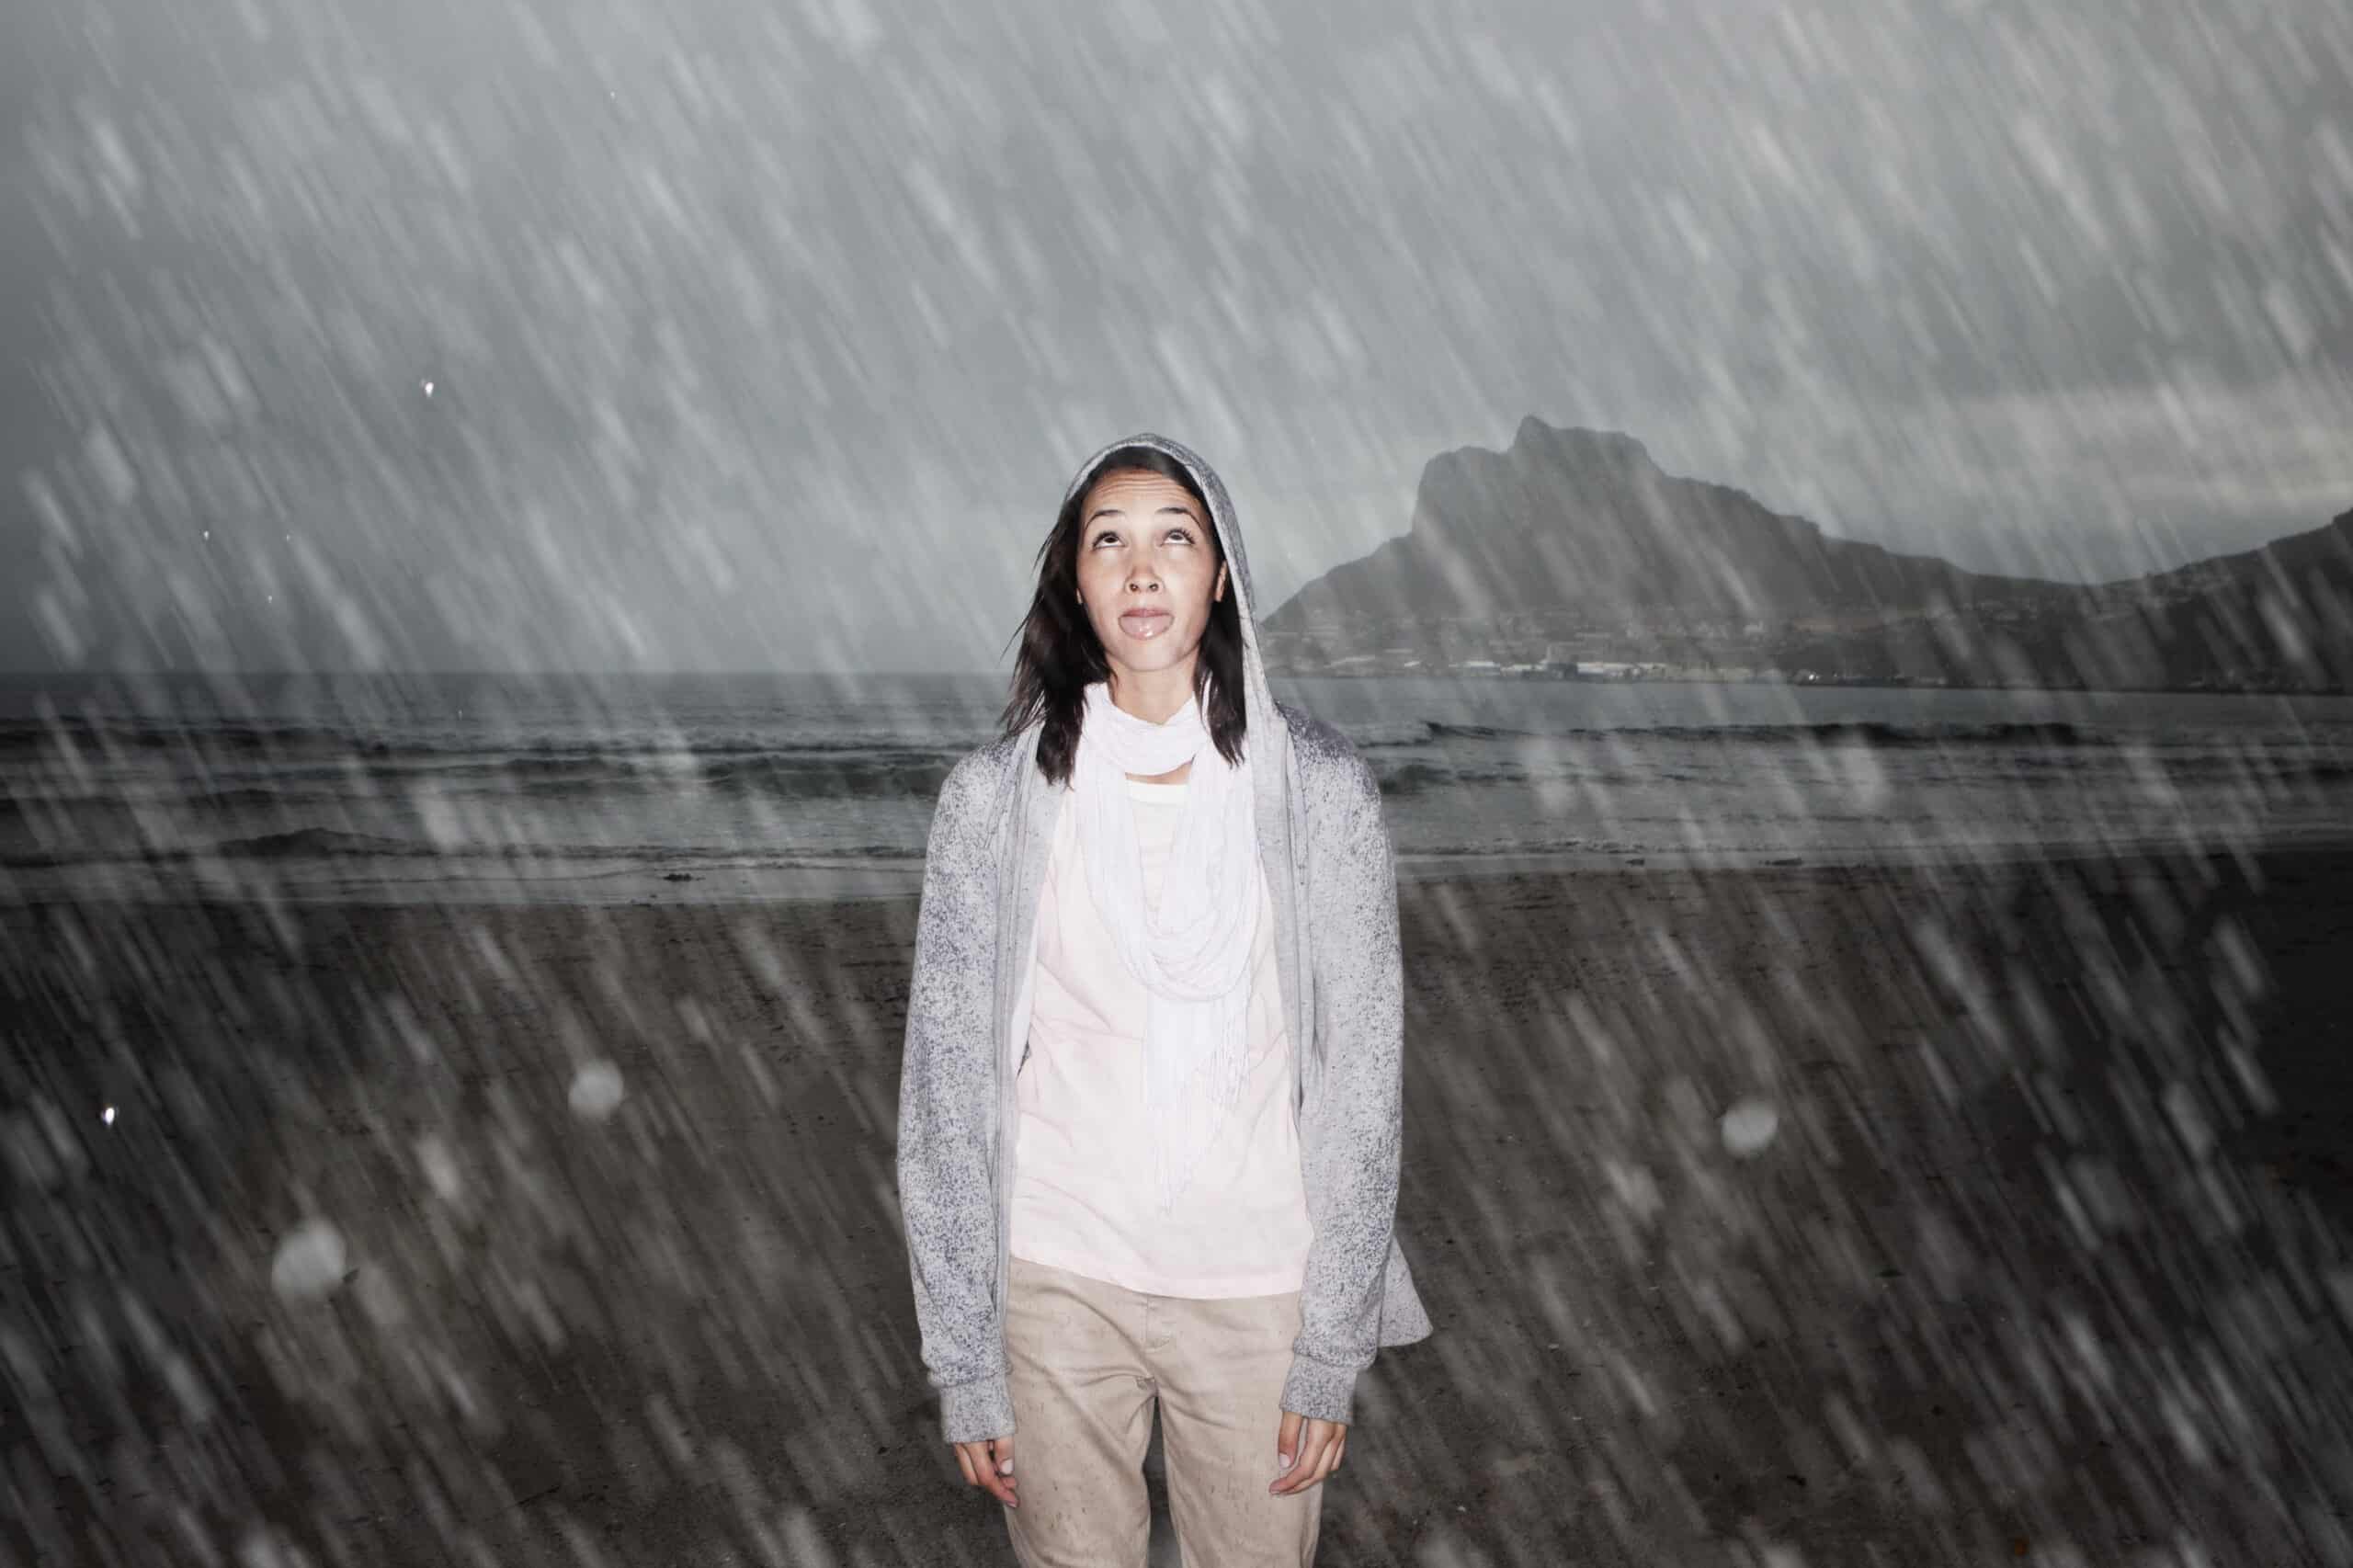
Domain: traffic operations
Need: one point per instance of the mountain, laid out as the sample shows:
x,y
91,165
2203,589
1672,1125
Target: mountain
x,y
1573,546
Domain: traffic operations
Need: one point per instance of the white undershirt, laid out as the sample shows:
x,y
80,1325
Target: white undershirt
x,y
1084,1197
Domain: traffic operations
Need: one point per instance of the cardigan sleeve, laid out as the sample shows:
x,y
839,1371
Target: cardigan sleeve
x,y
947,1122
1352,1121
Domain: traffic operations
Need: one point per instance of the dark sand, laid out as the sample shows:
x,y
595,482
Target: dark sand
x,y
2034,1247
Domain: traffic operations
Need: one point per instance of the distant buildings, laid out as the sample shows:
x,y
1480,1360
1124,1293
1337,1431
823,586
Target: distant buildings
x,y
1482,648
1550,669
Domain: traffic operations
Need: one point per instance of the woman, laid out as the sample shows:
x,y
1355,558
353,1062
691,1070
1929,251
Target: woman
x,y
1150,1110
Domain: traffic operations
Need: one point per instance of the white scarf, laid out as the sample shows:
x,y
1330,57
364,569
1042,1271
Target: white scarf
x,y
1191,952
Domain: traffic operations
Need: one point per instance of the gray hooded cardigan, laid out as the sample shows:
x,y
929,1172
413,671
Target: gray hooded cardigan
x,y
1332,874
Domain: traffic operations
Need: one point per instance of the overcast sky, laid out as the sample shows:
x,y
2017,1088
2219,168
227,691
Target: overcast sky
x,y
765,335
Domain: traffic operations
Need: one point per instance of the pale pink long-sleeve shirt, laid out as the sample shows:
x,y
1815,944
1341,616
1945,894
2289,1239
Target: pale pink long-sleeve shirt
x,y
1083,1195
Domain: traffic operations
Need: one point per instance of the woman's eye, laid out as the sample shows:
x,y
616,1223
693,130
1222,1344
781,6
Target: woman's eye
x,y
1183,534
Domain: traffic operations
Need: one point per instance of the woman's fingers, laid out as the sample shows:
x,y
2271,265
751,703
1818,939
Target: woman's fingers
x,y
1318,1454
1331,1461
989,1463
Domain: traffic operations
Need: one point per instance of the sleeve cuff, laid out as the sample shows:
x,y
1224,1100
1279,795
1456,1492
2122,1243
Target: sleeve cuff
x,y
972,1411
1319,1390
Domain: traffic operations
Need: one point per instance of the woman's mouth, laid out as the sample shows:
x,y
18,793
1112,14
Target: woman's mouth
x,y
1142,623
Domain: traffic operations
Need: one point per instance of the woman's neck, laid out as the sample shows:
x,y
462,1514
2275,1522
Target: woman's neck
x,y
1155,697
1152,695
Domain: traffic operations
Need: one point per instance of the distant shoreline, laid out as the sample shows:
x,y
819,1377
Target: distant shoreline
x,y
359,883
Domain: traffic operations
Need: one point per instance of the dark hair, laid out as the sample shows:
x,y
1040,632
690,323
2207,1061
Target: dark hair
x,y
1061,655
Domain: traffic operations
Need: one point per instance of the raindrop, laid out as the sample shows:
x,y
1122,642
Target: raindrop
x,y
1748,1127
309,1261
440,1169
596,1090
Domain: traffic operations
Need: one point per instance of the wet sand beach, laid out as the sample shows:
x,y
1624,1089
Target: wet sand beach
x,y
1824,1215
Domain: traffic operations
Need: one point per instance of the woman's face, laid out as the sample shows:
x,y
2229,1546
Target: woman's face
x,y
1147,571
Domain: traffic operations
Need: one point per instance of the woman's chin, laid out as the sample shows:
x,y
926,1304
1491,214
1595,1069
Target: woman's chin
x,y
1145,655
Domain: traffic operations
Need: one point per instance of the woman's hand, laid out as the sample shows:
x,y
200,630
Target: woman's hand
x,y
989,1463
1307,1456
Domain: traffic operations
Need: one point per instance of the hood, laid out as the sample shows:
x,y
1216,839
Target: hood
x,y
1269,742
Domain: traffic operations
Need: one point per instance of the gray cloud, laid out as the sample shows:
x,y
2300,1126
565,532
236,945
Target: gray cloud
x,y
765,336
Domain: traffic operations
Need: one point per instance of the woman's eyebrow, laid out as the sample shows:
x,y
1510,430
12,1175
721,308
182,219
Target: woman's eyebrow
x,y
1101,512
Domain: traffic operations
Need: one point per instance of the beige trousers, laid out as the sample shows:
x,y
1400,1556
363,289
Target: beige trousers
x,y
1089,1361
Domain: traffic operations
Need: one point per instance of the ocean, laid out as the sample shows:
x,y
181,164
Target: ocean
x,y
610,789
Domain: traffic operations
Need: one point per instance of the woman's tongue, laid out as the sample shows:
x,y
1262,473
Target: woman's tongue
x,y
1142,623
